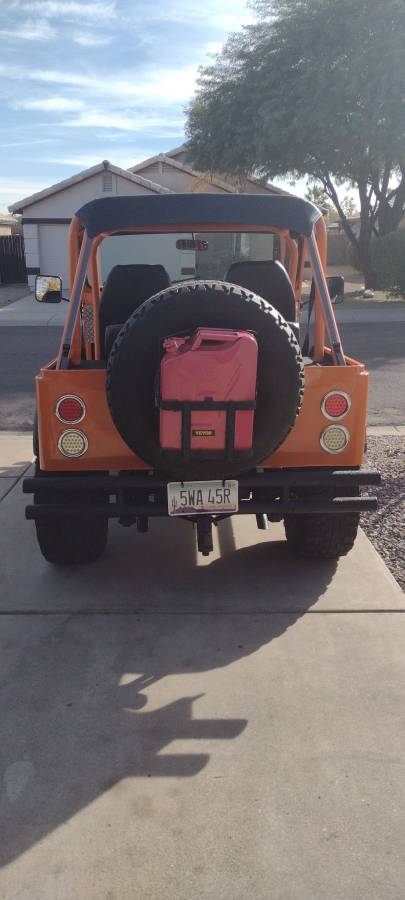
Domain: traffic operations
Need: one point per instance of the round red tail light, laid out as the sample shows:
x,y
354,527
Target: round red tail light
x,y
335,404
70,409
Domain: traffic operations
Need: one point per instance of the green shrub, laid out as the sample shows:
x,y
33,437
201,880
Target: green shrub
x,y
387,258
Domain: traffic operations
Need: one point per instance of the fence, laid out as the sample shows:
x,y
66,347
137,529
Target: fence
x,y
12,260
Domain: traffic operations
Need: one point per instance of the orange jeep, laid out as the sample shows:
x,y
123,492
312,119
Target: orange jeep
x,y
180,387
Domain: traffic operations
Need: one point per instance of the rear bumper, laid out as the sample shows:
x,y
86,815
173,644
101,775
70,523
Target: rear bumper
x,y
273,492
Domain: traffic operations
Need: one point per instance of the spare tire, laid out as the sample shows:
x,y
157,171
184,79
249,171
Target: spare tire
x,y
135,357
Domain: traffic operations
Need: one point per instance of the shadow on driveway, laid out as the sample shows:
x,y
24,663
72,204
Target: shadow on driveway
x,y
76,718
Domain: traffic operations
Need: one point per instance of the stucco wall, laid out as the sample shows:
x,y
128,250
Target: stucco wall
x,y
177,180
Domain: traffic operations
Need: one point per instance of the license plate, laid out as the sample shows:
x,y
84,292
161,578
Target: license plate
x,y
190,498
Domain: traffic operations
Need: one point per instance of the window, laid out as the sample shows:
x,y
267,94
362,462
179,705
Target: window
x,y
160,249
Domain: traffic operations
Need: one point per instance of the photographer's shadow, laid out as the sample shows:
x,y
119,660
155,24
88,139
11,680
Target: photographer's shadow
x,y
91,703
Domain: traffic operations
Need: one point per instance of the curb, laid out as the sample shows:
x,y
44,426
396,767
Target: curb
x,y
381,430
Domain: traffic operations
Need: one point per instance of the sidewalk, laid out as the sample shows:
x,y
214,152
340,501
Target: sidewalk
x,y
15,458
28,311
362,311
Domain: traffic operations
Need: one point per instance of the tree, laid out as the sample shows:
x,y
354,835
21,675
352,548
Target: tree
x,y
349,207
317,195
314,88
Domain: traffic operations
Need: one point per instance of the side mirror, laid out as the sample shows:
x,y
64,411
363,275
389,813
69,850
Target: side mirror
x,y
336,285
48,288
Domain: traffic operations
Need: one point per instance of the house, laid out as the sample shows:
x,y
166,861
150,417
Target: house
x,y
9,225
172,170
46,215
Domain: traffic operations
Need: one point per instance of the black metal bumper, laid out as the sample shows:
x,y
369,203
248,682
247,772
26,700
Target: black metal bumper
x,y
129,496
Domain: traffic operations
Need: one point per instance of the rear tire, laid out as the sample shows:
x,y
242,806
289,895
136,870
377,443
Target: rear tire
x,y
69,539
320,535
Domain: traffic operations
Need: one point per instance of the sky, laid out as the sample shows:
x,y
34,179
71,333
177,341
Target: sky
x,y
87,80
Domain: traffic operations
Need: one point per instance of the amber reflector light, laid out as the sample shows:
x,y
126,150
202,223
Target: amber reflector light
x,y
73,443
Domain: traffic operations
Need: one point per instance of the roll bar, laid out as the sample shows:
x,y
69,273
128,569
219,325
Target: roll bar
x,y
83,255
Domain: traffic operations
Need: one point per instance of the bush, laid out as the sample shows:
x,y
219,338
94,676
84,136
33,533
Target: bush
x,y
387,259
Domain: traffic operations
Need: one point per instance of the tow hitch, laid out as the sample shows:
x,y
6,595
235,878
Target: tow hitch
x,y
204,534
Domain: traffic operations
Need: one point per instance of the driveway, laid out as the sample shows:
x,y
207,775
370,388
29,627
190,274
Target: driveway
x,y
222,729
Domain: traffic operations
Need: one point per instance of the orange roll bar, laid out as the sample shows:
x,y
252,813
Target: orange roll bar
x,y
319,337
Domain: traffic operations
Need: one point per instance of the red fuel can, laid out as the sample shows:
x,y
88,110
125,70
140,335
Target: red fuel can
x,y
212,367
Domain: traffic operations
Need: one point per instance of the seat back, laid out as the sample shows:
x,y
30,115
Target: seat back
x,y
126,288
269,279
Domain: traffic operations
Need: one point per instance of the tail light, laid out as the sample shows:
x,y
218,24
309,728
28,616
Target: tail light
x,y
334,439
335,404
70,409
72,443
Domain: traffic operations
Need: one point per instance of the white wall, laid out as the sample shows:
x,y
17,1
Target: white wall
x,y
177,180
53,251
31,244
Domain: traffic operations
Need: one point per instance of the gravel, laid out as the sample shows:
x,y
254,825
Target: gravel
x,y
386,527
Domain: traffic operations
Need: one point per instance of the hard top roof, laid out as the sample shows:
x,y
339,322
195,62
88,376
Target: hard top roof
x,y
119,213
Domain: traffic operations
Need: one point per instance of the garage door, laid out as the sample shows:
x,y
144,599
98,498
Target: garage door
x,y
53,255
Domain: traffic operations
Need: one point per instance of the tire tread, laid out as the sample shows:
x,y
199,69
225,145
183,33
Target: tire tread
x,y
320,536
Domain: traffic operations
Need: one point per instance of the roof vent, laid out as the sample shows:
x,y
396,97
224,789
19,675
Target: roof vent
x,y
107,182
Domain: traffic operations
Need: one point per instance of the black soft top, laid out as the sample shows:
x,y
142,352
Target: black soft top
x,y
273,210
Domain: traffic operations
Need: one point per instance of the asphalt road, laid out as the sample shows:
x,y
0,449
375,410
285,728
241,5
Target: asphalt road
x,y
382,347
24,349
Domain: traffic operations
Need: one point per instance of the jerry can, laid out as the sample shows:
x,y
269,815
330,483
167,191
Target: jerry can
x,y
207,393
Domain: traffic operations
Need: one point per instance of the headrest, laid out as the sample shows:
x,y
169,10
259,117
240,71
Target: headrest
x,y
269,279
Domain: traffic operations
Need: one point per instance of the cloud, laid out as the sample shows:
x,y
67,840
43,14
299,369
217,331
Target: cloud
x,y
224,15
167,85
87,160
71,9
30,31
92,40
30,142
93,119
122,122
158,85
52,104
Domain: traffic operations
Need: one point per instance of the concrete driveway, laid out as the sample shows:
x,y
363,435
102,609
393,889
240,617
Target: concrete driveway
x,y
221,729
